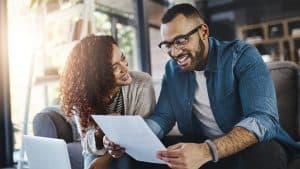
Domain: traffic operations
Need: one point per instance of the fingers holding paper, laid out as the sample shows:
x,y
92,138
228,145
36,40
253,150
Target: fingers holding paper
x,y
115,150
185,155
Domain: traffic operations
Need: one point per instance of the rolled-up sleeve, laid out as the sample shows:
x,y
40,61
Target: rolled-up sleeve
x,y
88,143
257,93
88,140
260,125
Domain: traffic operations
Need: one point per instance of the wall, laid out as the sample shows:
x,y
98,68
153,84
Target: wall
x,y
223,18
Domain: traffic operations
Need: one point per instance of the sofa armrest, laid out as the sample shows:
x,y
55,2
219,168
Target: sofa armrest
x,y
51,123
286,79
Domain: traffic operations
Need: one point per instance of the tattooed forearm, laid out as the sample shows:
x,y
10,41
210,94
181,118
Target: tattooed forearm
x,y
236,140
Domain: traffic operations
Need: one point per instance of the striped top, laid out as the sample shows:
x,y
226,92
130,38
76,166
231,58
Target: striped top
x,y
117,104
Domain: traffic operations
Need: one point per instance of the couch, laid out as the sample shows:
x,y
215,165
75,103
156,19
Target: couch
x,y
50,122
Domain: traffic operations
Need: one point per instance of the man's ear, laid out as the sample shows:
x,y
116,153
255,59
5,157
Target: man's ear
x,y
204,32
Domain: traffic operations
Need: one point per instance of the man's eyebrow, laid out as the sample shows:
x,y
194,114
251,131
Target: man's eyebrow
x,y
179,36
176,37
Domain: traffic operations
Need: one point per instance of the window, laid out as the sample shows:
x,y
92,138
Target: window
x,y
126,40
158,59
32,46
102,23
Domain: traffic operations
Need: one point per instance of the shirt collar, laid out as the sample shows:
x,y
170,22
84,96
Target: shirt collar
x,y
212,64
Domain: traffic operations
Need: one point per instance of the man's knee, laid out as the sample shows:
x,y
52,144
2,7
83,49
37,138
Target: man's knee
x,y
271,149
264,155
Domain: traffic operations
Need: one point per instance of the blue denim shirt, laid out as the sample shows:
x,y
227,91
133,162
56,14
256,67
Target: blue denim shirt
x,y
240,89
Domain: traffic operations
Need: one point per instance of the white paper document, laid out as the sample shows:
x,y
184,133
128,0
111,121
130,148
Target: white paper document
x,y
132,133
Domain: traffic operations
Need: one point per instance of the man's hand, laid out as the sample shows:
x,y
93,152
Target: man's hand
x,y
185,155
115,150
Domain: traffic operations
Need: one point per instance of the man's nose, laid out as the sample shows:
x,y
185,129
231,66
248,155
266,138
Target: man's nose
x,y
174,52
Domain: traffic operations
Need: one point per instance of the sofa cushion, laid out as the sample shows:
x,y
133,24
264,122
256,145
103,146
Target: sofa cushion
x,y
50,123
285,77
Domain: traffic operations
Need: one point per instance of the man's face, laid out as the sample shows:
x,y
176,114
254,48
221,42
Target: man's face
x,y
181,39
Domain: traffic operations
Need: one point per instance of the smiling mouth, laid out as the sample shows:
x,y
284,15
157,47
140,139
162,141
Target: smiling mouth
x,y
125,77
182,58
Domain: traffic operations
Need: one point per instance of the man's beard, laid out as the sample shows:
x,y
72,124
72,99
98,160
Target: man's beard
x,y
198,61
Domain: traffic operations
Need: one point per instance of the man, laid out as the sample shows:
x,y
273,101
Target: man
x,y
222,97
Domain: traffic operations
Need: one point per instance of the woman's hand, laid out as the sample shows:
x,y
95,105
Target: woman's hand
x,y
114,114
115,150
99,133
101,162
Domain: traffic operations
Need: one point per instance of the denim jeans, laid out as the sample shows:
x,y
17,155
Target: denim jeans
x,y
266,155
88,158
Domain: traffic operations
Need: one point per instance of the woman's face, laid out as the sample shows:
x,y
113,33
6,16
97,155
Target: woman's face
x,y
120,67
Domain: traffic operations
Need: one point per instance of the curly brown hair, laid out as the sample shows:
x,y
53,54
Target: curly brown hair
x,y
88,79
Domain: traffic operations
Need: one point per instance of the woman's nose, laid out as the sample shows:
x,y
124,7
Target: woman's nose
x,y
124,66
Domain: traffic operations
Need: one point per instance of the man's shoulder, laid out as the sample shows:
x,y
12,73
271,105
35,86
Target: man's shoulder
x,y
241,55
246,51
224,50
235,45
234,50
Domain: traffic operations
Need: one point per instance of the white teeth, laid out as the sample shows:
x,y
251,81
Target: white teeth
x,y
125,77
182,59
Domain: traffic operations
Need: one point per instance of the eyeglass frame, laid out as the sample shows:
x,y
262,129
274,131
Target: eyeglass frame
x,y
185,36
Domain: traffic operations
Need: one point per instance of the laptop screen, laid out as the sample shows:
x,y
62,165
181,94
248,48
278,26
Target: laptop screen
x,y
46,153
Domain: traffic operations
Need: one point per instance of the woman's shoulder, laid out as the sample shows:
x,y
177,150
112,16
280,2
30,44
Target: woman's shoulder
x,y
140,77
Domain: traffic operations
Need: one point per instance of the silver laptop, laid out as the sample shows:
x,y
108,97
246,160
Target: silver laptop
x,y
46,153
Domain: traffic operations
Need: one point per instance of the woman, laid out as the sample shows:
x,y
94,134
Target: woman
x,y
96,80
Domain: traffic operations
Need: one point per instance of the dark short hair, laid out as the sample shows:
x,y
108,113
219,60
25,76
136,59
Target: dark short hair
x,y
186,9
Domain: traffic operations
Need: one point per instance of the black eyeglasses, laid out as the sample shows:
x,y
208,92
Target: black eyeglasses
x,y
179,41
